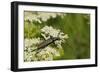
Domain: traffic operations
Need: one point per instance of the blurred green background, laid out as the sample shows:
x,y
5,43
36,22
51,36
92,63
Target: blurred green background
x,y
76,25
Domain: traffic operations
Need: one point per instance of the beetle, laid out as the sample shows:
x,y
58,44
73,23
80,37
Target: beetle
x,y
46,42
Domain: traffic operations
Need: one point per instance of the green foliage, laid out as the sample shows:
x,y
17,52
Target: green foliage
x,y
31,30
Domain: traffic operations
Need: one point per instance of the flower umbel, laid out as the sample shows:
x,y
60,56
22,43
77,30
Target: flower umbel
x,y
49,52
41,16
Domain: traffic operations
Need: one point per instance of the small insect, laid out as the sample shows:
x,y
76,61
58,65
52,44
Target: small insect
x,y
46,43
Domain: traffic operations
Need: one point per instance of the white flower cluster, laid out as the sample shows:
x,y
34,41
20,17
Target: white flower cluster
x,y
48,31
41,16
30,45
30,42
47,53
